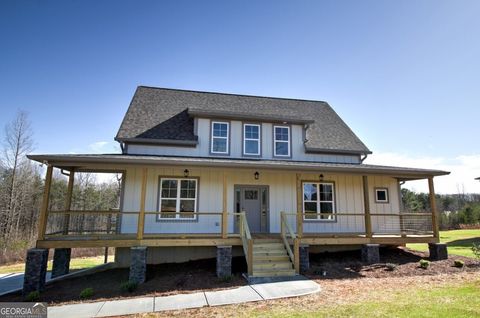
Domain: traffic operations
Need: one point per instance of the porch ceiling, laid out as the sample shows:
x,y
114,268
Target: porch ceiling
x,y
119,161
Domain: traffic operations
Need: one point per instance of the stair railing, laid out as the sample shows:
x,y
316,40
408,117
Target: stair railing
x,y
247,241
286,233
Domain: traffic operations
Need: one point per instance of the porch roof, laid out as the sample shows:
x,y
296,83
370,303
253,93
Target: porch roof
x,y
88,161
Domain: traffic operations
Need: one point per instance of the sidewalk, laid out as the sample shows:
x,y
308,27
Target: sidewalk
x,y
249,293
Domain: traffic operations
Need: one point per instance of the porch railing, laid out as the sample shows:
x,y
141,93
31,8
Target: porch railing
x,y
418,223
286,233
247,241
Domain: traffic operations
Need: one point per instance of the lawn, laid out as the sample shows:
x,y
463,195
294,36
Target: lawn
x,y
75,263
448,301
459,242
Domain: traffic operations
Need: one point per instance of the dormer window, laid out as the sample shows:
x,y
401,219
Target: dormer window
x,y
220,138
251,140
281,141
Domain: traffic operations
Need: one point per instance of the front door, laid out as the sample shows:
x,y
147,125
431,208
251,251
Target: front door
x,y
254,201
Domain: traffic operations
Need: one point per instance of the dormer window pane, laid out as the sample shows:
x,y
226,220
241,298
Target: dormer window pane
x,y
281,141
251,139
220,135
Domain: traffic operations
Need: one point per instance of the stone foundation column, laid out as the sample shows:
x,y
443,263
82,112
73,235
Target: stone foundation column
x,y
35,270
370,253
304,258
224,261
61,262
138,264
438,251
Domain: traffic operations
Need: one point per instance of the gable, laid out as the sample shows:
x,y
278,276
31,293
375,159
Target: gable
x,y
163,114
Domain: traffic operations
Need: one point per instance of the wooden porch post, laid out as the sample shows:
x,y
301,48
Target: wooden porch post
x,y
299,207
68,202
141,214
42,221
224,211
433,207
366,202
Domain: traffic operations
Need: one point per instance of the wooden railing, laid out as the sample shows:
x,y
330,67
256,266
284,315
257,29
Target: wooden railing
x,y
287,233
404,224
247,241
109,223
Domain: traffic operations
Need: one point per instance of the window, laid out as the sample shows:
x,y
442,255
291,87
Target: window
x,y
220,135
251,140
281,141
178,198
318,201
381,195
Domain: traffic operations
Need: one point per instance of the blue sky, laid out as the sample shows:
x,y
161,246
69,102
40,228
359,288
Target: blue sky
x,y
403,74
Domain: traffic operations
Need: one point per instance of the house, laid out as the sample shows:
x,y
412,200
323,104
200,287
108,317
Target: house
x,y
215,175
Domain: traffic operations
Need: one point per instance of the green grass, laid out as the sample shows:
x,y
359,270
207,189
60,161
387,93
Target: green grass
x,y
448,302
459,242
75,263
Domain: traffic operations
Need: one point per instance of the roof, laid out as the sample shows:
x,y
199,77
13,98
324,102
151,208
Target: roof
x,y
75,160
166,114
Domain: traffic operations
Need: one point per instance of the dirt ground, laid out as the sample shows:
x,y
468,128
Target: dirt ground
x,y
341,276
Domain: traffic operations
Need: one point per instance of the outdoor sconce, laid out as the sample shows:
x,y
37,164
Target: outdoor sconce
x,y
186,173
321,177
257,175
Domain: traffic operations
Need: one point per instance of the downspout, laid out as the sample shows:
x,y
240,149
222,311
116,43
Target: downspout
x,y
362,159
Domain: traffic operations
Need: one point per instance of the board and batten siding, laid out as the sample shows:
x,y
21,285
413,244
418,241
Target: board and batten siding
x,y
282,197
236,145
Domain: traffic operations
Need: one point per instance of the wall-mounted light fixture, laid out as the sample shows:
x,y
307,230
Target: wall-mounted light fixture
x,y
186,173
256,175
321,177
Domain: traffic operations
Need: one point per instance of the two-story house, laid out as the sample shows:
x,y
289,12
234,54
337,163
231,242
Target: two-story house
x,y
211,175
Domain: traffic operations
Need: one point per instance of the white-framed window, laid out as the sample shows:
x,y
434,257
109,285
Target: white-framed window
x,y
381,195
319,201
220,137
178,198
251,139
281,141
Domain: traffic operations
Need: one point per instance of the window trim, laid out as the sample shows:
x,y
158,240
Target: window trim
x,y
334,201
289,142
244,139
227,152
177,218
387,195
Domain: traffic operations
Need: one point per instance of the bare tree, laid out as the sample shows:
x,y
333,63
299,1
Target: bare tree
x,y
17,143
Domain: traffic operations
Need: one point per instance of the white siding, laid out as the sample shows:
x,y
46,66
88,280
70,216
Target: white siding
x,y
282,197
236,144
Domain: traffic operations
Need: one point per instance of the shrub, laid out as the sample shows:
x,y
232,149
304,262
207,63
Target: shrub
x,y
458,263
33,296
390,267
226,279
128,286
86,293
476,249
424,263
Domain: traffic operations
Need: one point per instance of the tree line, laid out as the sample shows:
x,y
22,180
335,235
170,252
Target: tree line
x,y
21,191
456,211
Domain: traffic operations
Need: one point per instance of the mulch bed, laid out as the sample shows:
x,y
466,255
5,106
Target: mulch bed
x,y
162,280
340,268
342,265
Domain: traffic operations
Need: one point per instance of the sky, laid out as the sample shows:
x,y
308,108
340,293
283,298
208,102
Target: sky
x,y
404,75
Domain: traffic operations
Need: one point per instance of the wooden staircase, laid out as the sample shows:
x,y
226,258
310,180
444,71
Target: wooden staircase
x,y
270,258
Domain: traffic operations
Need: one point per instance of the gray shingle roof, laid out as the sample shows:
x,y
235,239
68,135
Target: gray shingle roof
x,y
160,113
82,160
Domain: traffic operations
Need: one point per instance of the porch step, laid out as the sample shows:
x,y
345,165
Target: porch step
x,y
271,265
270,259
273,273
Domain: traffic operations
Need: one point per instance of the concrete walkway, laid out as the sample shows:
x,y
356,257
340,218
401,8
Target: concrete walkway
x,y
249,293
